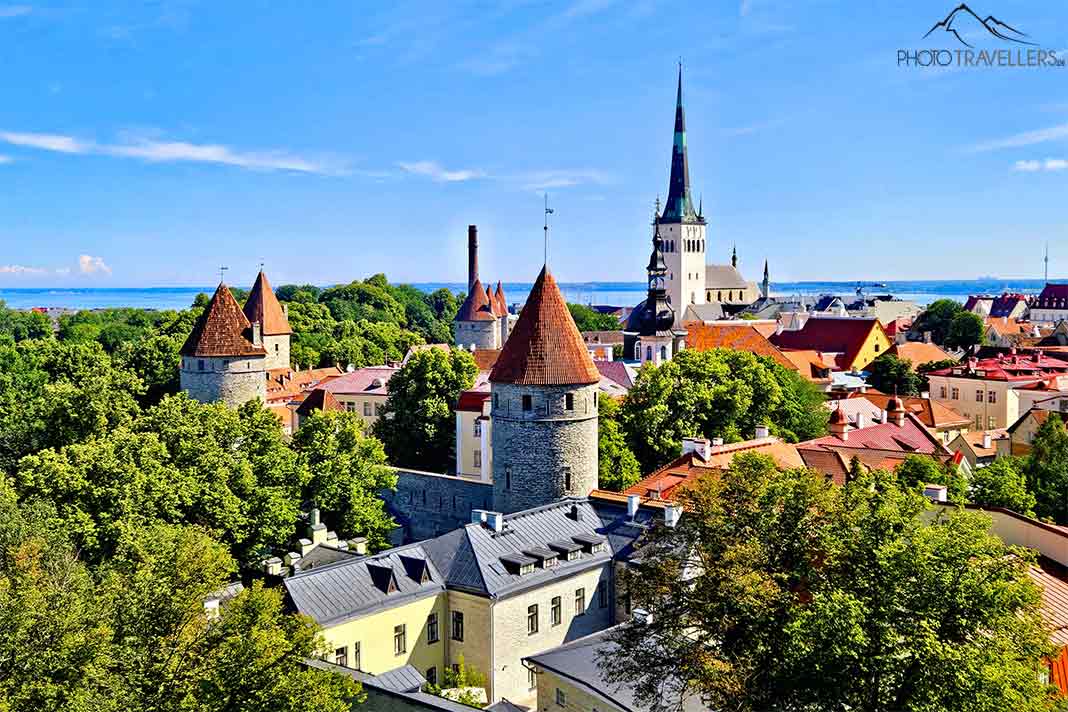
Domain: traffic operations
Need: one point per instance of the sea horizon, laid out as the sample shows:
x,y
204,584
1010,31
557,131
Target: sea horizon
x,y
607,293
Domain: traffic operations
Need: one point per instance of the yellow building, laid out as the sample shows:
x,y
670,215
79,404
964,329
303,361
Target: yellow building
x,y
363,391
854,343
474,435
494,591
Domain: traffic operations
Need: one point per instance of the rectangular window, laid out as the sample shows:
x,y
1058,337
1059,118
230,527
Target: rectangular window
x,y
508,478
569,401
356,656
956,394
532,679
532,619
478,458
432,675
432,628
979,396
555,610
979,422
341,656
991,422
528,403
478,428
602,595
580,601
991,396
561,698
366,408
200,364
942,392
400,639
567,479
458,626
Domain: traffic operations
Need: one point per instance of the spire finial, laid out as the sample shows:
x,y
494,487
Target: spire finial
x,y
548,212
222,273
734,255
678,96
262,262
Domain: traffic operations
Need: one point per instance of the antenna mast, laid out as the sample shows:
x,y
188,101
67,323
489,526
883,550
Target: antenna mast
x,y
1046,260
222,274
548,212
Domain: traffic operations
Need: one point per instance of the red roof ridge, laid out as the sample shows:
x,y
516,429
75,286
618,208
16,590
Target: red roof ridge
x,y
545,347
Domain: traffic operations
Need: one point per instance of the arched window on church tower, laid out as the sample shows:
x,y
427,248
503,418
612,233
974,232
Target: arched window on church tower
x,y
648,353
663,353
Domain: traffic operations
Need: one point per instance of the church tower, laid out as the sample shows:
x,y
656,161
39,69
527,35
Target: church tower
x,y
682,227
544,406
477,324
263,307
652,336
223,359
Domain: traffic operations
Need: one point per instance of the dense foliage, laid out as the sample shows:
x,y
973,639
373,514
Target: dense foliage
x,y
589,319
717,393
418,425
617,468
779,590
1046,470
891,374
965,331
937,318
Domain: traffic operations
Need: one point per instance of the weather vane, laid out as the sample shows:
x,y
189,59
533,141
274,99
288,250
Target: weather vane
x,y
222,274
548,212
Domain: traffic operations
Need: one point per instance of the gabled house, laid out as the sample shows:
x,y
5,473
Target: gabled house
x,y
855,342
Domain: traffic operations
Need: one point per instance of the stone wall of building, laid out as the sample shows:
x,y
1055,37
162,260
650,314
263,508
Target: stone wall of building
x,y
483,334
546,452
233,381
277,348
426,504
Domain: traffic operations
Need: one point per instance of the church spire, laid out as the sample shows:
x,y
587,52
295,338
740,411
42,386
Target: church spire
x,y
679,205
734,256
765,285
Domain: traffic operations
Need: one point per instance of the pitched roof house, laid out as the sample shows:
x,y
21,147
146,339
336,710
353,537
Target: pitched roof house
x,y
735,336
857,342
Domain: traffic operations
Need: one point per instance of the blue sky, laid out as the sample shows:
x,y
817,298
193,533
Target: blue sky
x,y
147,144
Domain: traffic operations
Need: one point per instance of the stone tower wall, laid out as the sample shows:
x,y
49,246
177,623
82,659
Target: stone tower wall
x,y
483,334
533,451
233,381
277,348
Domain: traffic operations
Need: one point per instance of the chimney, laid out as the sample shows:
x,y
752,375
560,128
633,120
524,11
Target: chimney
x,y
478,516
927,337
316,529
633,502
701,446
472,255
575,513
495,522
672,513
717,442
358,545
292,558
986,440
761,432
257,333
273,566
882,417
642,616
861,421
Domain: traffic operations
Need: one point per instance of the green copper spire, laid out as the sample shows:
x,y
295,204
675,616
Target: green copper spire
x,y
679,206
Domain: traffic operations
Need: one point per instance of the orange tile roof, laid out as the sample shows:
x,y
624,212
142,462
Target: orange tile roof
x,y
486,358
845,336
931,414
222,330
499,303
919,352
810,364
974,438
287,383
545,347
263,306
319,400
741,337
476,306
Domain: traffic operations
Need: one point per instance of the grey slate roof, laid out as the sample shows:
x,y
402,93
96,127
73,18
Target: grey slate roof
x,y
503,705
403,679
395,684
345,589
577,662
709,311
724,277
470,557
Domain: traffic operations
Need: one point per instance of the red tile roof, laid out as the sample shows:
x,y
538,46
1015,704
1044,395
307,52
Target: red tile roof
x,y
486,358
741,337
615,371
222,330
283,383
319,400
263,306
910,438
1034,366
931,414
476,306
472,401
499,303
830,335
545,347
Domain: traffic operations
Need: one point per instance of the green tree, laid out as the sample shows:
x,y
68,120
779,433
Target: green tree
x,y
23,325
303,293
587,319
1002,483
466,680
717,393
155,359
937,319
862,603
617,468
891,374
368,300
966,330
417,424
348,473
919,470
924,368
1046,469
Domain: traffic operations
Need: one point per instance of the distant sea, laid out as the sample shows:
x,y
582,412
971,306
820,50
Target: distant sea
x,y
610,293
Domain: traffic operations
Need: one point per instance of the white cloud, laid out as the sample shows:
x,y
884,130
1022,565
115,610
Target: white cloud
x,y
1028,138
21,269
88,264
46,142
435,171
545,180
1050,165
14,11
155,151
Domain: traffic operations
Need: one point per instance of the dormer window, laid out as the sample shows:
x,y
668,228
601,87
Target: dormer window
x,y
546,558
518,564
567,550
590,543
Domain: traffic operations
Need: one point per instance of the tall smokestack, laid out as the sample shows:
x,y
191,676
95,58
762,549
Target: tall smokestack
x,y
472,255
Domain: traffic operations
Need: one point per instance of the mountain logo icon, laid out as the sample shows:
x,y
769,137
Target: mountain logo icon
x,y
963,18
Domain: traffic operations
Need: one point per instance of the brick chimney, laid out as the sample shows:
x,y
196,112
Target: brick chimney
x,y
472,255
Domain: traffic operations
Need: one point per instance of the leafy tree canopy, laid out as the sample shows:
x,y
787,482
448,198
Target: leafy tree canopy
x,y
617,467
937,319
587,319
1046,470
891,374
1002,484
965,330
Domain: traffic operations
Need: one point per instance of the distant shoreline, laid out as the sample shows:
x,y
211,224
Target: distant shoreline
x,y
607,293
